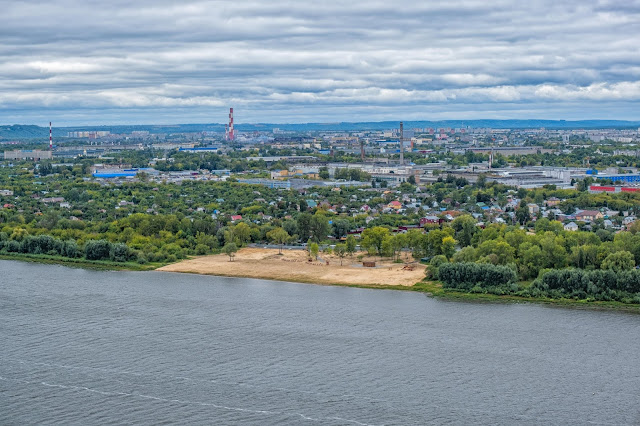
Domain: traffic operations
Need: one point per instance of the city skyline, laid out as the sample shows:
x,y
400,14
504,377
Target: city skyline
x,y
79,63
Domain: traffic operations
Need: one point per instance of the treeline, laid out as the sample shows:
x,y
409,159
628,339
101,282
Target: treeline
x,y
599,285
478,277
352,174
621,285
48,245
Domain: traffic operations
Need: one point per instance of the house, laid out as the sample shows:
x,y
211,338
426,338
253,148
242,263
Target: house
x,y
53,200
431,220
6,192
552,202
589,215
65,205
533,209
513,204
236,217
452,213
571,226
396,205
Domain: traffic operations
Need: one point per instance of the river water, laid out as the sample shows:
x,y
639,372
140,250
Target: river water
x,y
88,347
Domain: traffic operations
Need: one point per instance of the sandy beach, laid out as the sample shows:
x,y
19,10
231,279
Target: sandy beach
x,y
293,265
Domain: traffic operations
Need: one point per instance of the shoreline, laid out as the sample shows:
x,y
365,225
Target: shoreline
x,y
101,265
429,288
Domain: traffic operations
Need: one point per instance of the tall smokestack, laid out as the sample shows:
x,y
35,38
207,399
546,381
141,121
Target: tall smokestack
x,y
50,138
401,144
232,134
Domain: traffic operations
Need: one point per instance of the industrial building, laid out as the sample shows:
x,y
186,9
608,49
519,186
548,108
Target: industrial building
x,y
28,154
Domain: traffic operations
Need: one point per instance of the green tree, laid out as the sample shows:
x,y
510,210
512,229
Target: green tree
x,y
230,250
522,214
434,241
242,233
530,260
619,261
465,227
448,247
304,225
323,173
313,250
481,182
350,245
502,251
466,254
97,249
319,227
278,236
387,248
340,251
373,238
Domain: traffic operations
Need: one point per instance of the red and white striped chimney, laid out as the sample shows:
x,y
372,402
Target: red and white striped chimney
x,y
232,134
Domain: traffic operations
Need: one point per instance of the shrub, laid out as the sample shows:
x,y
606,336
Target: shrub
x,y
119,252
484,275
434,264
97,249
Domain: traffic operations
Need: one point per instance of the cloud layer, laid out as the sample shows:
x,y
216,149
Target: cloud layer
x,y
291,61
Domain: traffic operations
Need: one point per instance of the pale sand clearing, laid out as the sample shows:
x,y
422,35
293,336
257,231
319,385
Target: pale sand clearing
x,y
292,265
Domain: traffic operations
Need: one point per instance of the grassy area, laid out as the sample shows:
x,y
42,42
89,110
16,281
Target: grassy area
x,y
435,289
80,263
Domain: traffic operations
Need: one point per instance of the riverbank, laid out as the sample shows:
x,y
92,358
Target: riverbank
x,y
268,264
293,265
80,263
435,289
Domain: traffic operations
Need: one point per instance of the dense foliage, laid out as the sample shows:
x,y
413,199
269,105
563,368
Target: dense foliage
x,y
621,285
478,277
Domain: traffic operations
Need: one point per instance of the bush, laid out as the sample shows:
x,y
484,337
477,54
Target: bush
x,y
12,246
202,249
466,276
70,249
97,250
119,252
581,284
434,264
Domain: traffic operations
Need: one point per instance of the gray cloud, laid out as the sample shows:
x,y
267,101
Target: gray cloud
x,y
289,61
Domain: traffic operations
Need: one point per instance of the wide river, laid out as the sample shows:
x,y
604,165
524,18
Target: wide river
x,y
87,347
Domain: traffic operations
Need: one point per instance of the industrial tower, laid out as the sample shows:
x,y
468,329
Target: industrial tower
x,y
401,144
228,128
50,138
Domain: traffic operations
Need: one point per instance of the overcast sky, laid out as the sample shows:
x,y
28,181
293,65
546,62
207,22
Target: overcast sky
x,y
155,61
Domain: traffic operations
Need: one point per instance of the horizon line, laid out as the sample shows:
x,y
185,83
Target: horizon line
x,y
327,123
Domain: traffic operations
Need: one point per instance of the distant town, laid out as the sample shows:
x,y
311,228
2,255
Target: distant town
x,y
506,197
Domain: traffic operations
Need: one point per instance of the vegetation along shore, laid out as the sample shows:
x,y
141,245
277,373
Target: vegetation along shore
x,y
435,231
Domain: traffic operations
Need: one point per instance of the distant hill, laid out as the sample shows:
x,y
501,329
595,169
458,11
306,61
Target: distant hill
x,y
20,131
